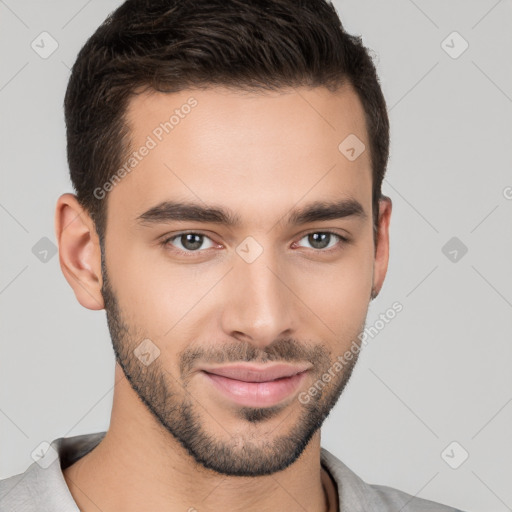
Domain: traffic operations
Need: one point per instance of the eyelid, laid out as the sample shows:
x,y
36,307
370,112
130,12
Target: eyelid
x,y
168,238
326,230
343,239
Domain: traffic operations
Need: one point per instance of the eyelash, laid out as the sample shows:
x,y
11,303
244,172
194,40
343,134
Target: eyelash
x,y
337,247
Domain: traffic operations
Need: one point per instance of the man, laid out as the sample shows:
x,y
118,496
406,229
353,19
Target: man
x,y
227,158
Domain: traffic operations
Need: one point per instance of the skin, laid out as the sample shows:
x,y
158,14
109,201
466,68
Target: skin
x,y
260,155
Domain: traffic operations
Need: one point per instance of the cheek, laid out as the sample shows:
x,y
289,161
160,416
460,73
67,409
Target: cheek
x,y
162,299
142,290
159,298
339,293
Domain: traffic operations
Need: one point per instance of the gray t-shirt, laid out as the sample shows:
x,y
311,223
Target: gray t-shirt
x,y
42,486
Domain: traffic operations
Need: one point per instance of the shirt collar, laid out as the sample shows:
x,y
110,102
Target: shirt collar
x,y
43,485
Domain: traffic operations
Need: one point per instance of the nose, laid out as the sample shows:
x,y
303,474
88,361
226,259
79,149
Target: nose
x,y
260,304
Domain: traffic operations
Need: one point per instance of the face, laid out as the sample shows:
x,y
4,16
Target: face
x,y
274,263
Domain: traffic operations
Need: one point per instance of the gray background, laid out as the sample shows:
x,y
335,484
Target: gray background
x,y
437,373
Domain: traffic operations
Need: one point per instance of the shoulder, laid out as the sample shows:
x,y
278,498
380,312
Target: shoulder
x,y
42,485
15,490
392,498
355,495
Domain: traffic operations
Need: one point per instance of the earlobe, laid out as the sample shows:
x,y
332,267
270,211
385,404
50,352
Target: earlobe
x,y
79,251
380,265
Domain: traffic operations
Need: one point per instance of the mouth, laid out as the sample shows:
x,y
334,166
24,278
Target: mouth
x,y
255,386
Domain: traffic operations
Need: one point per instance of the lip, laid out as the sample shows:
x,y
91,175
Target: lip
x,y
254,373
254,386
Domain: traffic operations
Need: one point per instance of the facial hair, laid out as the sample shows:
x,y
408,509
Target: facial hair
x,y
168,399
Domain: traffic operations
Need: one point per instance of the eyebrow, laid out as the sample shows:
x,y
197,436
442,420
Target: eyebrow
x,y
168,211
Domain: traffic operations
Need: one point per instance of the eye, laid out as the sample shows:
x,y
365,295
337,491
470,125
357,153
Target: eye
x,y
322,240
188,242
191,242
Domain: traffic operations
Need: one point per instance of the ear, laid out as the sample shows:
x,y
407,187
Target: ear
x,y
79,251
380,265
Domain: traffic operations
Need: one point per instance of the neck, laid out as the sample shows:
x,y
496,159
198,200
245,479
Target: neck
x,y
138,466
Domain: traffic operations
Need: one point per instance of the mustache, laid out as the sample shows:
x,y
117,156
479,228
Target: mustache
x,y
283,350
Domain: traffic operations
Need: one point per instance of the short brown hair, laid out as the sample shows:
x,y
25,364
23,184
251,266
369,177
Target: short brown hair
x,y
171,45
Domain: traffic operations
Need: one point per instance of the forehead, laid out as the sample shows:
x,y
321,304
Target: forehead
x,y
251,151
